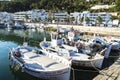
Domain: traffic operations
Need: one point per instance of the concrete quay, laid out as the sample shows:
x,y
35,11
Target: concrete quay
x,y
110,31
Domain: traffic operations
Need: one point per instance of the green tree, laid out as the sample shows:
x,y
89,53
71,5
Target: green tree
x,y
117,2
26,17
65,20
87,19
99,19
81,19
72,19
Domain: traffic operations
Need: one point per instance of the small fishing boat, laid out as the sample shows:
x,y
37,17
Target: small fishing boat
x,y
92,57
40,63
115,42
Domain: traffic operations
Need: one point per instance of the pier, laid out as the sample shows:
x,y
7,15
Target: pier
x,y
109,31
111,73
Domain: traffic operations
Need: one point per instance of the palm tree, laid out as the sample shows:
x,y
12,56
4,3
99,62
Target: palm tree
x,y
87,19
99,19
65,20
26,17
72,19
46,19
39,19
81,19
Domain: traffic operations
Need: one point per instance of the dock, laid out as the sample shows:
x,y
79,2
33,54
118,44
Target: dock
x,y
107,31
110,31
111,73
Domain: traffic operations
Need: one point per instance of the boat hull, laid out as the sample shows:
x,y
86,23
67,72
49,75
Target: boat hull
x,y
62,74
91,63
57,75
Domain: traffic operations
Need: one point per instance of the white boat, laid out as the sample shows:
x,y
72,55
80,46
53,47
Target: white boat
x,y
115,42
40,63
95,59
19,25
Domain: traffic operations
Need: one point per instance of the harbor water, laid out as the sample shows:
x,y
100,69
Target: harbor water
x,y
13,38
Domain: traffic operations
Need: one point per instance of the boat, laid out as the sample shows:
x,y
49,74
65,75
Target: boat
x,y
40,63
2,25
19,25
115,42
86,57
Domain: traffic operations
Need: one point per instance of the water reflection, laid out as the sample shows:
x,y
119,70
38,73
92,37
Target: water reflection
x,y
19,36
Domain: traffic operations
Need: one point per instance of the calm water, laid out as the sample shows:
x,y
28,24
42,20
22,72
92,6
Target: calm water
x,y
13,38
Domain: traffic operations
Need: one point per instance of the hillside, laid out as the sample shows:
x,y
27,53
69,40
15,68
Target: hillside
x,y
54,5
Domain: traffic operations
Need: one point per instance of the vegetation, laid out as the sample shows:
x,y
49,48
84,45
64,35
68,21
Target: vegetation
x,y
99,19
54,5
81,19
87,19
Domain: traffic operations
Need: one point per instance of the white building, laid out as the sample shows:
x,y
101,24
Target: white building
x,y
5,0
76,16
61,16
102,6
92,17
5,16
32,15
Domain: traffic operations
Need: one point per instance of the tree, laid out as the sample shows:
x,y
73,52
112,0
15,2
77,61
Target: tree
x,y
99,19
81,19
72,19
117,2
87,19
50,19
65,20
26,17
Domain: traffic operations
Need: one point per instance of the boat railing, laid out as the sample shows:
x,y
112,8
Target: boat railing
x,y
58,58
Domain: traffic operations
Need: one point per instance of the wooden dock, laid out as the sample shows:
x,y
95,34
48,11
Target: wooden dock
x,y
111,73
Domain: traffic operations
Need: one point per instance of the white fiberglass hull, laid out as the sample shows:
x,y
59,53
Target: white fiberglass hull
x,y
88,63
51,75
60,74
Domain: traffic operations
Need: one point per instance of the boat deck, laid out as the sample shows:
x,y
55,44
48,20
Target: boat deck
x,y
41,61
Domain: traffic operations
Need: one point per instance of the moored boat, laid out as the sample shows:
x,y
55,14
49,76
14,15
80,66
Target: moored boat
x,y
92,56
40,63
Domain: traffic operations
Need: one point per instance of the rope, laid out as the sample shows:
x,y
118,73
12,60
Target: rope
x,y
101,72
73,73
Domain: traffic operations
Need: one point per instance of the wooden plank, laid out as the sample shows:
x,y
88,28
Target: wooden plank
x,y
118,78
116,73
98,77
112,73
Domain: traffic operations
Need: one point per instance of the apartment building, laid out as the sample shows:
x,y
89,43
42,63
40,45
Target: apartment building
x,y
5,16
60,16
92,17
32,15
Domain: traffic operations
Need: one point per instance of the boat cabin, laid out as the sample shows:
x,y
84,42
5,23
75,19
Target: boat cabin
x,y
56,39
73,35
